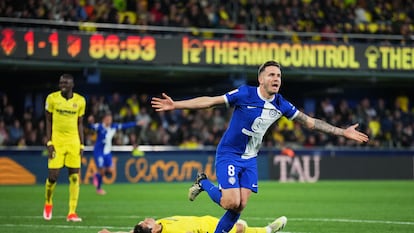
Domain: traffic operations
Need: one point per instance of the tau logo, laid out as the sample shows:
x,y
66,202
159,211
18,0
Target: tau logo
x,y
299,168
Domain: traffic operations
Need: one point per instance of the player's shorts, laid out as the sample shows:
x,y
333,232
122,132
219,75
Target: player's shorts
x,y
234,172
67,155
102,161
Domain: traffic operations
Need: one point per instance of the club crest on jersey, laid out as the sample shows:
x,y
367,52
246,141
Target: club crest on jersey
x,y
274,113
74,105
232,180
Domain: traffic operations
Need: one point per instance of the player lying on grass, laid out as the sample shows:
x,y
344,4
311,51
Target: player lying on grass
x,y
194,224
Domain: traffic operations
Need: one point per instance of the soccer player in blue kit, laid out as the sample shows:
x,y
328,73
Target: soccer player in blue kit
x,y
102,150
255,110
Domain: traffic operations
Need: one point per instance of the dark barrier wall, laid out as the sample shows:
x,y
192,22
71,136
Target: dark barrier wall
x,y
314,165
30,166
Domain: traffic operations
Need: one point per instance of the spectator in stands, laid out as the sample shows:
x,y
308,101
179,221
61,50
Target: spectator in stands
x,y
4,134
32,139
380,107
144,117
115,105
402,102
326,109
387,16
4,101
156,13
101,11
89,9
15,132
344,112
41,131
310,141
132,106
9,116
28,128
402,135
190,142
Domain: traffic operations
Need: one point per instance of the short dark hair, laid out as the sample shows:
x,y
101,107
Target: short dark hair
x,y
140,229
68,76
263,66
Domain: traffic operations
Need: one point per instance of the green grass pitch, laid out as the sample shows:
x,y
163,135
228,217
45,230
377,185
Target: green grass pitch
x,y
322,207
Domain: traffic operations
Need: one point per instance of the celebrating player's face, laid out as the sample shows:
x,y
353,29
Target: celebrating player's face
x,y
270,80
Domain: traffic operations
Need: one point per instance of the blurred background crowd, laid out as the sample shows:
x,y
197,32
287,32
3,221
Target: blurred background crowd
x,y
389,123
287,17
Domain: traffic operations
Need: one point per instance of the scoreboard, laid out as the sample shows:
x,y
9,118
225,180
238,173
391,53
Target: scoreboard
x,y
62,45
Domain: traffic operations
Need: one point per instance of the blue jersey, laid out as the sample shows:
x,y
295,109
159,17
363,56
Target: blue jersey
x,y
103,144
252,116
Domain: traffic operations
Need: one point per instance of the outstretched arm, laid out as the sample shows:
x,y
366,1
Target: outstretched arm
x,y
167,104
317,124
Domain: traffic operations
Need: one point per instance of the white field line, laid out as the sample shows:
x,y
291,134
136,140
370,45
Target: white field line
x,y
339,220
42,225
353,221
247,218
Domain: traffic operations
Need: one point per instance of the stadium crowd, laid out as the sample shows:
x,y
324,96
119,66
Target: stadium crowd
x,y
388,122
350,17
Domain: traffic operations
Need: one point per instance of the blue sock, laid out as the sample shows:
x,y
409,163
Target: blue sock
x,y
98,175
212,190
227,221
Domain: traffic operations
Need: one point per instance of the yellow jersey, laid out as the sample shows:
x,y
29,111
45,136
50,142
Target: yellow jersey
x,y
185,224
65,114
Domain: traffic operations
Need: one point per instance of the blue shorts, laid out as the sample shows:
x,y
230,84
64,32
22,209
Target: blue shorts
x,y
234,172
103,161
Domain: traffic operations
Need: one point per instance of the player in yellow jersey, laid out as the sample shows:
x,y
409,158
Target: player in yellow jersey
x,y
64,111
194,224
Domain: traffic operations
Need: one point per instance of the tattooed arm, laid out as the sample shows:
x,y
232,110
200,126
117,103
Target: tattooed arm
x,y
317,124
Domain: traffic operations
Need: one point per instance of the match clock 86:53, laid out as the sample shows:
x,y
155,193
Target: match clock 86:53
x,y
113,48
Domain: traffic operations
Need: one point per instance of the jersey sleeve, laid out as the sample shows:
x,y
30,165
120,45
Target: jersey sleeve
x,y
288,109
49,104
94,126
232,97
82,107
125,125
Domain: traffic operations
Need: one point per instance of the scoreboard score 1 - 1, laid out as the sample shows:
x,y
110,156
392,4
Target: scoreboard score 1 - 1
x,y
63,45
